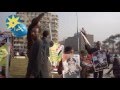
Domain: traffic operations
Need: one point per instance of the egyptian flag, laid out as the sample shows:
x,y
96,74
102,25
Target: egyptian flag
x,y
83,33
60,49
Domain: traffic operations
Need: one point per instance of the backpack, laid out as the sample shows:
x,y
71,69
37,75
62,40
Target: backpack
x,y
60,68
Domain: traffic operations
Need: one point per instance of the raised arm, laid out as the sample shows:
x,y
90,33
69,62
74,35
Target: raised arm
x,y
36,20
87,44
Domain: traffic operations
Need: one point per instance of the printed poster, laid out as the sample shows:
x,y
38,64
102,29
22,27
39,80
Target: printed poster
x,y
71,66
100,62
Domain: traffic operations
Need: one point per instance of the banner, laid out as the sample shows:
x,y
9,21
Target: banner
x,y
3,55
77,58
71,66
56,52
86,40
100,61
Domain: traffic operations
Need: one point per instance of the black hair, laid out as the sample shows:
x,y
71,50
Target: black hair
x,y
98,43
115,55
67,49
45,33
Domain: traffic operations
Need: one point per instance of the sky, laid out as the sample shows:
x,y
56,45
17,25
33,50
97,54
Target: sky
x,y
99,24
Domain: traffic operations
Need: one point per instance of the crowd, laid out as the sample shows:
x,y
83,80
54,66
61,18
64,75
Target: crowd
x,y
91,59
87,62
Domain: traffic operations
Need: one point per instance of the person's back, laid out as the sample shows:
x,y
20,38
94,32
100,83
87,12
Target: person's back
x,y
46,45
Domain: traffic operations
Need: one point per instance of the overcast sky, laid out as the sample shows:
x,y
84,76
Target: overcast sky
x,y
100,24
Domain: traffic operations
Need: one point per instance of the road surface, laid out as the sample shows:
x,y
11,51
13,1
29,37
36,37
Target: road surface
x,y
104,73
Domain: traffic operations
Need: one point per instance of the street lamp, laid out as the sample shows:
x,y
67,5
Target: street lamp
x,y
78,34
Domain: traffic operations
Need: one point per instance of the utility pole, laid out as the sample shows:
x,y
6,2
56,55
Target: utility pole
x,y
78,33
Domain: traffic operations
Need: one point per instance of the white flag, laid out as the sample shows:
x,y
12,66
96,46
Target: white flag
x,y
85,38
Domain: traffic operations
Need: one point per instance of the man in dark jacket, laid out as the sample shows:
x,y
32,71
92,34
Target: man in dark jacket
x,y
35,21
108,57
116,67
38,61
91,51
46,45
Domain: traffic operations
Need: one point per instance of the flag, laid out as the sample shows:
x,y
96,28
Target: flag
x,y
86,40
3,55
56,52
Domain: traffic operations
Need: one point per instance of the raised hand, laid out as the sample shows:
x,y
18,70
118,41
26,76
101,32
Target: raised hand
x,y
36,20
84,32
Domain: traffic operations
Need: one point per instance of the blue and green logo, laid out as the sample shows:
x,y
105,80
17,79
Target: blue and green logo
x,y
15,25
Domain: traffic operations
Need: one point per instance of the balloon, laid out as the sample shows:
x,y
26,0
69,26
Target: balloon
x,y
19,30
15,25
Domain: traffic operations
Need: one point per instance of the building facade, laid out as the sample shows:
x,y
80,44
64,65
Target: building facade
x,y
20,45
73,42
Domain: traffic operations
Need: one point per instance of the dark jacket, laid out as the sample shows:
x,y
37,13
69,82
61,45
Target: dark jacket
x,y
108,57
90,50
46,45
39,61
116,67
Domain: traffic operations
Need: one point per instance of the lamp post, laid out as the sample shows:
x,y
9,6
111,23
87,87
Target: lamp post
x,y
78,33
8,58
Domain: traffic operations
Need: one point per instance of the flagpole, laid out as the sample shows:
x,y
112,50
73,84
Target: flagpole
x,y
50,18
8,56
78,33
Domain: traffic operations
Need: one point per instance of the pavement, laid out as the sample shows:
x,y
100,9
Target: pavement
x,y
104,73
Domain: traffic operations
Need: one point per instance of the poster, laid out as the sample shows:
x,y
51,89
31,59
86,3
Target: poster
x,y
77,58
56,52
100,61
5,53
71,66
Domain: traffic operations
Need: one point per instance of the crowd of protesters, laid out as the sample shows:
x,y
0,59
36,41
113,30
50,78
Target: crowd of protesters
x,y
38,52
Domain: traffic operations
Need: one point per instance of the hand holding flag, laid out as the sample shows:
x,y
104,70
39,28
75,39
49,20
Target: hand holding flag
x,y
83,33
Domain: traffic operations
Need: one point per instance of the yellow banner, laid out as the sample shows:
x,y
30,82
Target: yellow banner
x,y
55,56
3,55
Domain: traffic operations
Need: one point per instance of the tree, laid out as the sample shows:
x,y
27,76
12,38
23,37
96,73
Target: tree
x,y
104,45
118,46
117,37
112,41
